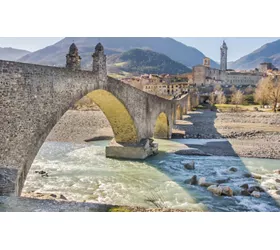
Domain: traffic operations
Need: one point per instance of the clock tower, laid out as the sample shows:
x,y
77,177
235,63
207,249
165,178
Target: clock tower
x,y
223,62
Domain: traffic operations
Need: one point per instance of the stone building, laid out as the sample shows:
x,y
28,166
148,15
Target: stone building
x,y
204,75
164,85
242,78
264,67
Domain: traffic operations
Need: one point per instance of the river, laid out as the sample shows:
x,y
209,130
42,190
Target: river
x,y
82,172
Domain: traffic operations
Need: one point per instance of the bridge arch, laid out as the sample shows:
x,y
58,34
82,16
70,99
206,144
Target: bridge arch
x,y
117,114
161,127
47,111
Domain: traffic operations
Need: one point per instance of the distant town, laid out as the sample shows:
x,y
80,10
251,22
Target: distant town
x,y
203,76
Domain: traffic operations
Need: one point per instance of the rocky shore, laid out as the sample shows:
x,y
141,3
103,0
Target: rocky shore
x,y
39,202
248,134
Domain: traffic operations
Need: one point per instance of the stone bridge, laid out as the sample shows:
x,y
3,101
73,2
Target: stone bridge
x,y
34,97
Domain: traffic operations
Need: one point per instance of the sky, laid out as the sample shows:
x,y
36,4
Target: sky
x,y
210,46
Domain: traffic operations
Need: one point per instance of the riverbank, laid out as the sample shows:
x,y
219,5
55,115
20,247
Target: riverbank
x,y
248,134
81,126
45,203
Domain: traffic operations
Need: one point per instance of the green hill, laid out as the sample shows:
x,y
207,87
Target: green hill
x,y
139,61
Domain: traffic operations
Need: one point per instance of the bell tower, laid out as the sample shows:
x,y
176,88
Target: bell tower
x,y
223,62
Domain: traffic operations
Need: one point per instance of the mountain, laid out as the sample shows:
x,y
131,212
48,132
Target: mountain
x,y
139,61
55,54
269,52
12,54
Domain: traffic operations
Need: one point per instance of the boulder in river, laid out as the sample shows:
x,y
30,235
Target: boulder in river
x,y
191,151
247,175
189,166
202,182
277,180
233,169
277,171
245,186
256,176
193,180
245,192
255,188
215,190
256,194
222,180
226,190
220,190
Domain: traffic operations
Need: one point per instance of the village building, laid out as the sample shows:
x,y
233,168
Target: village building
x,y
164,85
204,75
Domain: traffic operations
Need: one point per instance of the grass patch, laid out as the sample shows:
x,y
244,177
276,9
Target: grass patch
x,y
120,209
233,107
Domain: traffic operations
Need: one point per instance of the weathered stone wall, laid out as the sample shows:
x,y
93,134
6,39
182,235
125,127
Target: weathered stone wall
x,y
33,99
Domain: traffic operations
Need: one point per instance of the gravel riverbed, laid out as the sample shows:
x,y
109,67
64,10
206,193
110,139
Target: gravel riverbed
x,y
248,134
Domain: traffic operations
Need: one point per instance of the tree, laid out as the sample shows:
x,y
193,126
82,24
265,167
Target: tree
x,y
233,89
261,92
221,98
217,87
249,90
273,92
212,99
237,98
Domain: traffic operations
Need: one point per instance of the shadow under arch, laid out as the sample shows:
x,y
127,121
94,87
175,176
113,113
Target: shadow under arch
x,y
161,128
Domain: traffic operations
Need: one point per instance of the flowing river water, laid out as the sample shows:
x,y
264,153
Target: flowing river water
x,y
82,172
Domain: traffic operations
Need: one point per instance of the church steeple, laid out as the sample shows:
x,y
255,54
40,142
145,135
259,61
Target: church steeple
x,y
223,62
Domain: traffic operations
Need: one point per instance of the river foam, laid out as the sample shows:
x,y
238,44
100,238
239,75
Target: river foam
x,y
82,172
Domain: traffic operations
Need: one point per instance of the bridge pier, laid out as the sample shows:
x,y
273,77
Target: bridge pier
x,y
133,151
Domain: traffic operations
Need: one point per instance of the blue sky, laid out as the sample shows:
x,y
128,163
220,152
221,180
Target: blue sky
x,y
238,47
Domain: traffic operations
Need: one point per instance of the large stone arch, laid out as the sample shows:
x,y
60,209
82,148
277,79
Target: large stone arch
x,y
35,97
33,106
115,111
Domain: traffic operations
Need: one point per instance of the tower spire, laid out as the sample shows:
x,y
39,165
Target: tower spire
x,y
223,61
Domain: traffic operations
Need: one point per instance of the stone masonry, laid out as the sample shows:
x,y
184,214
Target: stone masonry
x,y
34,97
73,60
